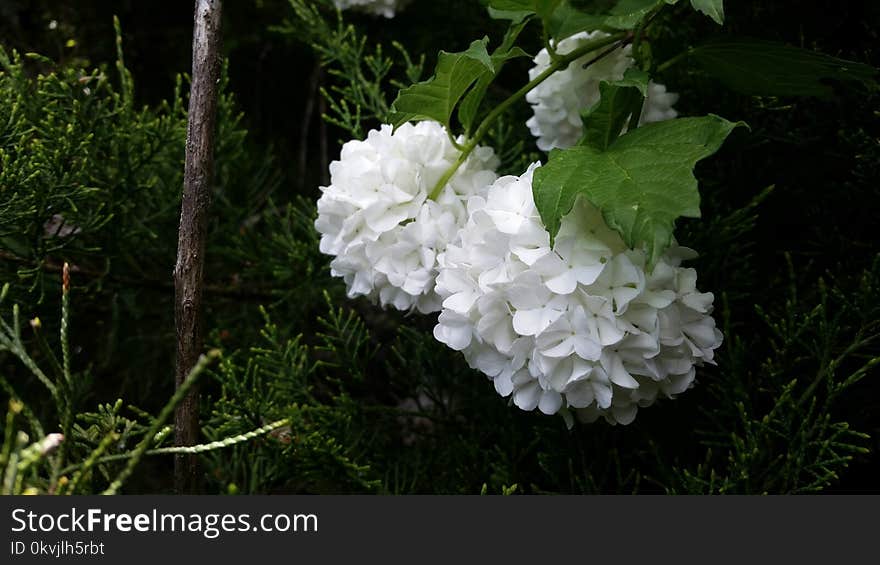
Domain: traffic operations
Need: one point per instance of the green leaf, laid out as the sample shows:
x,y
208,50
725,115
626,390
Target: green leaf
x,y
436,98
767,68
563,20
627,14
513,5
635,78
567,21
545,8
620,103
470,105
518,9
477,51
642,183
515,16
515,10
712,8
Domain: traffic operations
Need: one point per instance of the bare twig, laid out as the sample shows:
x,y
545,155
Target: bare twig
x,y
189,270
322,137
308,112
628,38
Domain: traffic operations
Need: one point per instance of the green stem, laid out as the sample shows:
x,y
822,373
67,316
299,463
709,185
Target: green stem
x,y
10,340
65,328
14,408
90,461
674,60
190,449
66,411
454,141
547,44
562,62
45,349
21,407
640,34
160,420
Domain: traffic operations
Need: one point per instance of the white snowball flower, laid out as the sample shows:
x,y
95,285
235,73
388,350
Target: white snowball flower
x,y
376,219
659,104
580,327
557,102
384,8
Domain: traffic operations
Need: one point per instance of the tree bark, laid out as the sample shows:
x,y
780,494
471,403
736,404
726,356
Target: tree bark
x,y
189,270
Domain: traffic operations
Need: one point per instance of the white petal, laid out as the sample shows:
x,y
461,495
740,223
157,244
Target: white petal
x,y
533,322
613,366
602,393
456,337
529,254
503,385
586,348
528,396
699,301
579,394
550,402
490,362
461,302
625,414
703,333
506,221
563,283
588,274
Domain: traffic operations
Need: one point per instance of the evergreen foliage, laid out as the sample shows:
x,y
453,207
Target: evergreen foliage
x,y
305,391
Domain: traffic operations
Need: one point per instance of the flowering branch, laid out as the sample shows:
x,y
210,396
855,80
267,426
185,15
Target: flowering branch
x,y
562,62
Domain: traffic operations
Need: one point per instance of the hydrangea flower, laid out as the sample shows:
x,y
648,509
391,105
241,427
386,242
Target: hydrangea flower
x,y
377,221
581,326
384,8
557,102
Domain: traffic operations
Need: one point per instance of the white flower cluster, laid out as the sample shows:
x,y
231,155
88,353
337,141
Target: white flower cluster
x,y
557,103
376,7
376,217
578,326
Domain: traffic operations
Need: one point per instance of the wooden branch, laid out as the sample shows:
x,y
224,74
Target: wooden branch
x,y
189,270
322,139
308,111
